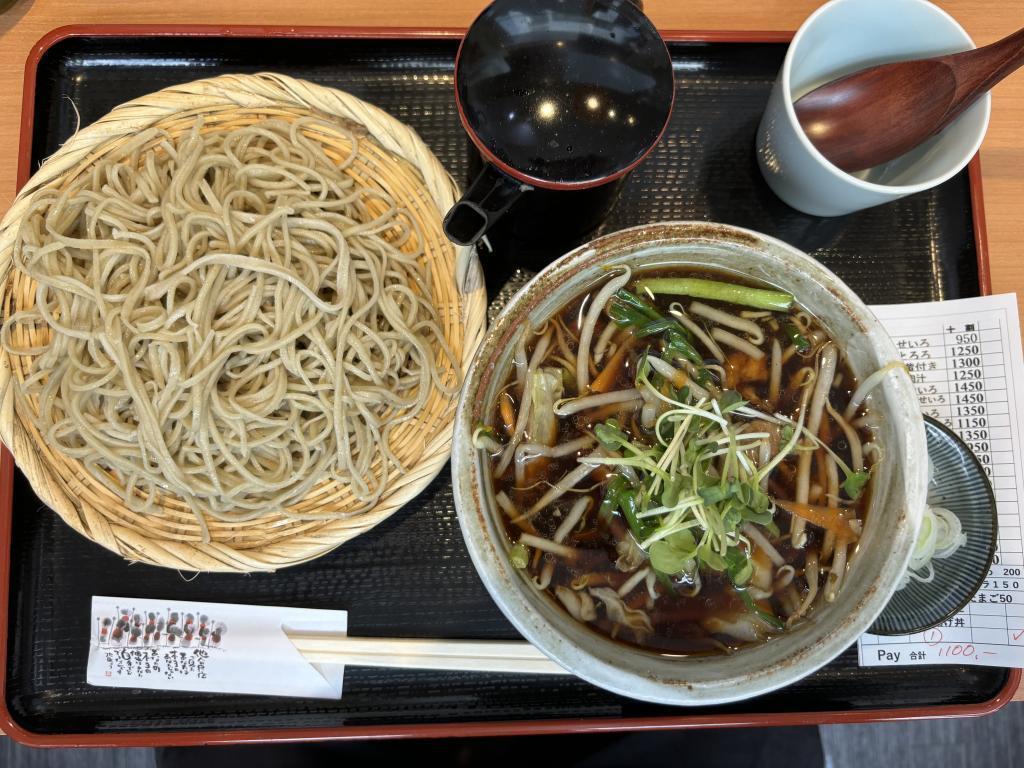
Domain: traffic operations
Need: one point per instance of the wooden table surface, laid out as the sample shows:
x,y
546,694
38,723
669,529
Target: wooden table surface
x,y
1002,154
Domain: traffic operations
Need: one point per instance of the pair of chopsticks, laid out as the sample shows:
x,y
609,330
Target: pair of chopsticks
x,y
418,653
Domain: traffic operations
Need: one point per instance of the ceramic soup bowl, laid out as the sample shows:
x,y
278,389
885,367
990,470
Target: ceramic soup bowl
x,y
892,521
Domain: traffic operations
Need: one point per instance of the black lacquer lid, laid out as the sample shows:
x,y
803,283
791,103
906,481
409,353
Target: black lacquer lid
x,y
564,93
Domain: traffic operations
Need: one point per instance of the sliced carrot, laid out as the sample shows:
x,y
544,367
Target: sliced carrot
x,y
508,413
819,463
750,395
825,430
594,415
732,370
830,518
756,369
535,469
637,599
762,577
741,369
679,380
606,378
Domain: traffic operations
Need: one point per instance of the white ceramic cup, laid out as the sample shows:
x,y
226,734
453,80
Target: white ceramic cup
x,y
841,37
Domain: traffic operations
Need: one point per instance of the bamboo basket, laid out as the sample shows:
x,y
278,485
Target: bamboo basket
x,y
391,157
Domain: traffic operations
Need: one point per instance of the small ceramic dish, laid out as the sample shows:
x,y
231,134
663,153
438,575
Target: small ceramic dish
x,y
959,484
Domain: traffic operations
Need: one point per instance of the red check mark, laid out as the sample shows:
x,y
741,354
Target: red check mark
x,y
1018,635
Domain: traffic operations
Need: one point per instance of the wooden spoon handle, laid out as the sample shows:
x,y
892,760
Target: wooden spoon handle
x,y
978,70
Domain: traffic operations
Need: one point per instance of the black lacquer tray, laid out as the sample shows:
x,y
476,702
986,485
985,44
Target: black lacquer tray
x,y
411,575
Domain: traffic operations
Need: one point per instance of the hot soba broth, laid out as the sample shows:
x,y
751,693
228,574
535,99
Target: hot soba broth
x,y
681,460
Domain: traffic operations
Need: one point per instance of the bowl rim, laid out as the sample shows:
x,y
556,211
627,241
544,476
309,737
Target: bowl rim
x,y
526,611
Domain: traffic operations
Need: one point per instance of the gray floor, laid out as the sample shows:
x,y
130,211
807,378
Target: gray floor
x,y
984,742
988,742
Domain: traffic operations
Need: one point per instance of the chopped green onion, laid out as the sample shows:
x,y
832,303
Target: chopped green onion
x,y
769,618
677,344
759,298
799,340
616,486
638,302
738,566
655,326
519,556
629,310
486,438
629,506
620,496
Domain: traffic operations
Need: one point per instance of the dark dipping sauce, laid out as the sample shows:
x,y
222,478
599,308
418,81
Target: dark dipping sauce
x,y
682,620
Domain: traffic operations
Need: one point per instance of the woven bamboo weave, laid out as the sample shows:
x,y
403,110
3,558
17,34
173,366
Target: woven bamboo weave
x,y
391,158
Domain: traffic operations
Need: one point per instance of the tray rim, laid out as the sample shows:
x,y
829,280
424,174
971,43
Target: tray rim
x,y
12,728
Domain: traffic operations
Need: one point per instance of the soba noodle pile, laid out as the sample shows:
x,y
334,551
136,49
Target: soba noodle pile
x,y
233,321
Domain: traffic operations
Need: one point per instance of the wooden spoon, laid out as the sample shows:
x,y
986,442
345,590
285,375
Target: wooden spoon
x,y
872,116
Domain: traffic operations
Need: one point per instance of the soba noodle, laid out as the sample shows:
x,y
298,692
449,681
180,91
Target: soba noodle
x,y
232,320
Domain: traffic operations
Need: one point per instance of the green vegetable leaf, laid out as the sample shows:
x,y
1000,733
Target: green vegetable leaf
x,y
709,557
610,434
754,498
674,554
729,400
855,482
714,494
761,518
731,518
